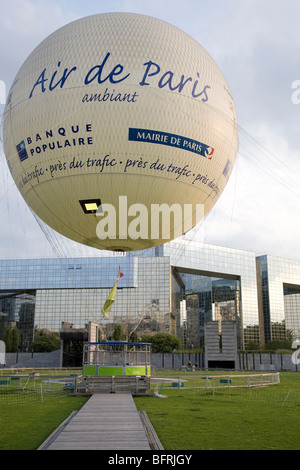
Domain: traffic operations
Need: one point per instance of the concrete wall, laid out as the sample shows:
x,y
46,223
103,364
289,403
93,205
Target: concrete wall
x,y
53,359
267,361
170,361
245,361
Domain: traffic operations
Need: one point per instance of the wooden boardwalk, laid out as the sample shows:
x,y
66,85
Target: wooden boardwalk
x,y
107,421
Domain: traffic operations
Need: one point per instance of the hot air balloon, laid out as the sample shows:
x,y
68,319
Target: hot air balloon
x,y
120,131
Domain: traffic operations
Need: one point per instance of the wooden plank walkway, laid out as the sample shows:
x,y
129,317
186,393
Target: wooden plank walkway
x,y
107,421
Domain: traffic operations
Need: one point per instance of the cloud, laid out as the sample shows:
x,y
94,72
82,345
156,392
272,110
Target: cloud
x,y
23,25
259,208
257,45
32,18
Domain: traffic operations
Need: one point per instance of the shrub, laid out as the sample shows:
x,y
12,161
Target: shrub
x,y
46,343
162,342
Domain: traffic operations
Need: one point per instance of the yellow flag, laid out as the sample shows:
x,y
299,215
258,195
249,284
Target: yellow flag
x,y
111,297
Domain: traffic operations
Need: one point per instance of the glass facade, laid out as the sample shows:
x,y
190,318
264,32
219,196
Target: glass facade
x,y
221,283
174,288
74,291
206,298
279,292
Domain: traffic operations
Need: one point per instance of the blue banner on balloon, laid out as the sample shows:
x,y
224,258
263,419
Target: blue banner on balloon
x,y
171,140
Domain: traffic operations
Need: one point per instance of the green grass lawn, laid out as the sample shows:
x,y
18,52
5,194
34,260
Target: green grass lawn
x,y
28,417
197,424
25,426
260,418
241,419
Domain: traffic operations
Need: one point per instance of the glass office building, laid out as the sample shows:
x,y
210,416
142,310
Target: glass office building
x,y
174,288
218,283
279,297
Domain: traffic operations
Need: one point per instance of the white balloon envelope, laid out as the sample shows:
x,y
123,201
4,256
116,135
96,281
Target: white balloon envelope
x,y
120,131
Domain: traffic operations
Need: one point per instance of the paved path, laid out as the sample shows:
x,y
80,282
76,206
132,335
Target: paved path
x,y
106,422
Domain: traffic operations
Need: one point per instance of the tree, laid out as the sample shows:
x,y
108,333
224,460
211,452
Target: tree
x,y
162,342
15,339
7,340
11,340
275,344
118,333
46,343
252,346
